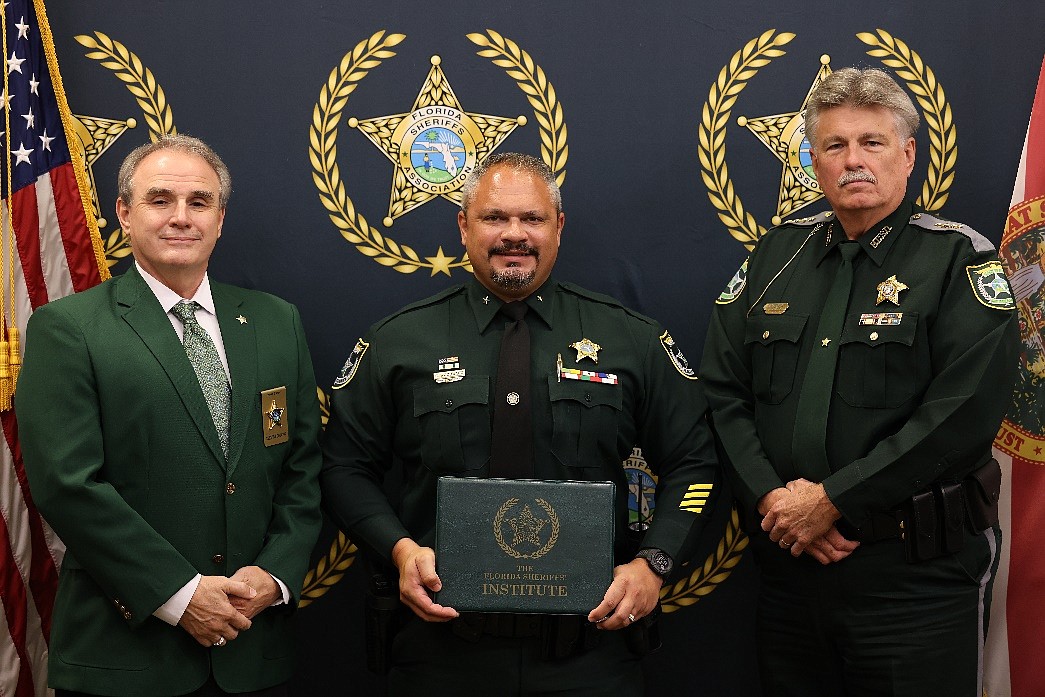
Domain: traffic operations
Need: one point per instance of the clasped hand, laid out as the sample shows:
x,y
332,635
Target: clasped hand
x,y
801,518
222,607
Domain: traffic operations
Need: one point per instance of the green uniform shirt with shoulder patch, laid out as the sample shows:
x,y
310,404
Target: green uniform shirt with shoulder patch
x,y
926,353
418,387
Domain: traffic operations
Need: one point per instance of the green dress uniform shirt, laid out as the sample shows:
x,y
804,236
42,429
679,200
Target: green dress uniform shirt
x,y
926,362
389,404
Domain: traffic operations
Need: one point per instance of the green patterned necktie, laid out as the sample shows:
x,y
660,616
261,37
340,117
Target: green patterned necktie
x,y
205,361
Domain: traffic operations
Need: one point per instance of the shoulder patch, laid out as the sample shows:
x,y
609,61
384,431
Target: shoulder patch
x,y
735,286
930,222
811,220
990,286
677,359
348,370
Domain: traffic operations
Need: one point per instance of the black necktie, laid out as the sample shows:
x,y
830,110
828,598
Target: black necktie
x,y
809,445
511,452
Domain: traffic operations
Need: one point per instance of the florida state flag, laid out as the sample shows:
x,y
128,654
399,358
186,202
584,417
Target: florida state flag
x,y
1016,642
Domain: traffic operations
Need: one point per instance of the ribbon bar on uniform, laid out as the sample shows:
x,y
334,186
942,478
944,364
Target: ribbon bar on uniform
x,y
588,375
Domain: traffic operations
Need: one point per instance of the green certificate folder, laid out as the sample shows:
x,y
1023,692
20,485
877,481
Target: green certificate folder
x,y
522,545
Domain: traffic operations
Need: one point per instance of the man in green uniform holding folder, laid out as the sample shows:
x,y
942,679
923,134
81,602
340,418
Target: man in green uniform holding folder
x,y
858,367
424,385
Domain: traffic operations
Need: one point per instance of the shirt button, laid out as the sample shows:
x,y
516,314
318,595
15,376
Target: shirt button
x,y
449,403
218,559
230,489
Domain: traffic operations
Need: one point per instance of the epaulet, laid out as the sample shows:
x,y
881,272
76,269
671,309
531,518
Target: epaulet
x,y
427,302
604,300
927,221
810,220
589,294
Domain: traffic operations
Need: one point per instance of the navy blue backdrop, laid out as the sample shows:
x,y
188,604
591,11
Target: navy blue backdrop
x,y
638,106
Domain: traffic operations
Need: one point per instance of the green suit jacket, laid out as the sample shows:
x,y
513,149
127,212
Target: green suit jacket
x,y
124,463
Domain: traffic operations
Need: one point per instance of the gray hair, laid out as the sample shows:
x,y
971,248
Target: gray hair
x,y
861,88
180,143
518,162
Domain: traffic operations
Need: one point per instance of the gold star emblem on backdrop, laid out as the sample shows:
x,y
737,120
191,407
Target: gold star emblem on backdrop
x,y
434,146
95,135
784,135
889,289
586,348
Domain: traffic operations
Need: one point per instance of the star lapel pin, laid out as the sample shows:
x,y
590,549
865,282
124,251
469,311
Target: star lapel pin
x,y
242,319
890,289
586,348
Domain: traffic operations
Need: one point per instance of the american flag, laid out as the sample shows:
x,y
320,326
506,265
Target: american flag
x,y
50,248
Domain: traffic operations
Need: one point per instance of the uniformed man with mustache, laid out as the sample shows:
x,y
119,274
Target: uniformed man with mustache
x,y
858,366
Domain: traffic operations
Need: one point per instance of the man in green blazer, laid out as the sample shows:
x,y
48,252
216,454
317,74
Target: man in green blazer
x,y
182,478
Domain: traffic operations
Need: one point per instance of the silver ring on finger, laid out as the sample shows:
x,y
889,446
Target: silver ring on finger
x,y
631,617
785,545
221,641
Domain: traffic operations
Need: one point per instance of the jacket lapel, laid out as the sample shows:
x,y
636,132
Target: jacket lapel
x,y
241,351
142,311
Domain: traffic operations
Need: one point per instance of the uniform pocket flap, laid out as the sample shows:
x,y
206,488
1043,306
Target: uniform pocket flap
x,y
878,334
766,329
450,396
589,394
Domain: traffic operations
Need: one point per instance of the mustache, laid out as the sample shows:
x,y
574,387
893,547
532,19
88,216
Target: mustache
x,y
856,175
514,248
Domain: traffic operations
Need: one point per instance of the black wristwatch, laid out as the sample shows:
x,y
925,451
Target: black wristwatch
x,y
659,561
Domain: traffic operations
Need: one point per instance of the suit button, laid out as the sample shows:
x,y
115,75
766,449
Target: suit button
x,y
218,559
449,403
230,489
127,614
587,396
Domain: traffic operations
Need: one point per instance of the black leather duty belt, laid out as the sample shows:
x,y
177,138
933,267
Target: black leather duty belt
x,y
881,527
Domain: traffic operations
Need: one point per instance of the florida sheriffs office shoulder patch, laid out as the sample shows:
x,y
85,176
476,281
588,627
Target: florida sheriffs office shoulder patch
x,y
735,286
990,286
677,359
348,370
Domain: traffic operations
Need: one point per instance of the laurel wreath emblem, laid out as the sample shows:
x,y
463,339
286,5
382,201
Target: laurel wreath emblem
x,y
530,78
714,116
716,569
943,148
329,570
506,548
333,98
141,83
757,54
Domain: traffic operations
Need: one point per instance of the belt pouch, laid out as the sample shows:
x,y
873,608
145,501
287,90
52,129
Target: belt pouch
x,y
922,536
951,516
380,622
982,488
